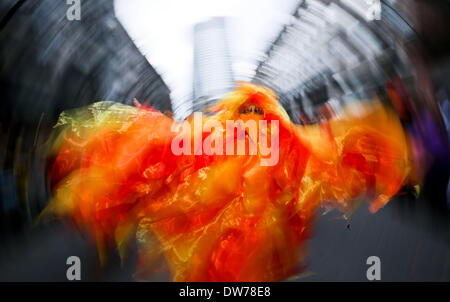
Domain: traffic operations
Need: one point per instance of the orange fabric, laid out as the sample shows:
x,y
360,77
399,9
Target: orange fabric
x,y
218,217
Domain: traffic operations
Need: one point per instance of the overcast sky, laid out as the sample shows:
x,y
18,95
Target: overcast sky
x,y
162,30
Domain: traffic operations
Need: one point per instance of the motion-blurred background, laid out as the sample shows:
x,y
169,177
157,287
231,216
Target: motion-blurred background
x,y
318,55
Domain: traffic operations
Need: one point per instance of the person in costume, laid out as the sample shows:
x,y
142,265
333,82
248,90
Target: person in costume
x,y
216,215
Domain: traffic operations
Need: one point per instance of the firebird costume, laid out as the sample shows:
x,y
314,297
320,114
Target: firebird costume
x,y
219,217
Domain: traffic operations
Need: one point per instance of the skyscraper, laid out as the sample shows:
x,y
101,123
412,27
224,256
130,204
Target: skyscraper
x,y
213,75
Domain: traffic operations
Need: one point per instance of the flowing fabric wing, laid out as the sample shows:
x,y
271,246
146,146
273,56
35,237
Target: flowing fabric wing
x,y
358,157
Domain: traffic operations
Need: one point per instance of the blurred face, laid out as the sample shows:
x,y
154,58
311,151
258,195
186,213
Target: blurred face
x,y
251,111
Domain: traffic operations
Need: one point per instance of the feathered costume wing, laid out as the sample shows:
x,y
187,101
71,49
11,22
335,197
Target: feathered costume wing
x,y
218,217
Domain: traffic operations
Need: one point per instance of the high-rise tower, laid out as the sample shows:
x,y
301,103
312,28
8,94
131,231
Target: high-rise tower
x,y
213,75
